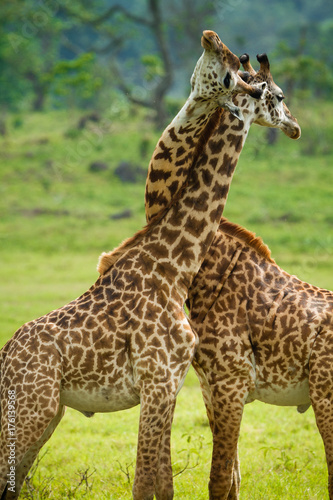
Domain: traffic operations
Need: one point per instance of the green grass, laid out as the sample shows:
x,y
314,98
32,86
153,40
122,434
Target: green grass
x,y
281,453
54,223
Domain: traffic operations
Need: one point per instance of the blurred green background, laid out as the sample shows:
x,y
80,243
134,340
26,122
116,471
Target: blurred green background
x,y
86,89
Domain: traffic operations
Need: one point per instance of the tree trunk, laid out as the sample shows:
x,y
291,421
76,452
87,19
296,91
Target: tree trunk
x,y
39,89
166,81
272,136
39,100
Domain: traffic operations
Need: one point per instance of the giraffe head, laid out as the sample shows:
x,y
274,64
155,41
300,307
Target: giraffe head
x,y
216,78
271,111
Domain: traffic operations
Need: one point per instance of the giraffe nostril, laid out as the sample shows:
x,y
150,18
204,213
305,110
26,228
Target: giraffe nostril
x,y
226,80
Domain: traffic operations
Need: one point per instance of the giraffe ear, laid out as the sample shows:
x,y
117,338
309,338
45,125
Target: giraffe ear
x,y
245,75
210,40
263,87
233,109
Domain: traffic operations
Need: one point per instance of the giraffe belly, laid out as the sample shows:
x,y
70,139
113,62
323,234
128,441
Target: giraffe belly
x,y
99,400
294,394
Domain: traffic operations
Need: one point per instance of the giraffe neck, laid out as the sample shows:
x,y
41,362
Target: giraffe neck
x,y
180,240
243,266
175,150
165,176
178,236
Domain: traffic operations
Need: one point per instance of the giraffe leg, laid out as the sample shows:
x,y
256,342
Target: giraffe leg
x,y
324,418
236,480
29,414
206,393
321,394
33,451
164,479
156,413
16,457
158,381
224,477
211,414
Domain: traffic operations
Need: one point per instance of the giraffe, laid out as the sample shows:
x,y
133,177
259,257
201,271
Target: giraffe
x,y
223,148
126,340
264,335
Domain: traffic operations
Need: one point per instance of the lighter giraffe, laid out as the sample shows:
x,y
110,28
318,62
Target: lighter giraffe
x,y
264,335
127,339
224,148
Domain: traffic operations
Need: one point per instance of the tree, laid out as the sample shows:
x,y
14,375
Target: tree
x,y
156,64
30,53
148,48
303,67
32,35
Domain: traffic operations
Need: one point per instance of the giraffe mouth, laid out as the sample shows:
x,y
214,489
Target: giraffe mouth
x,y
293,133
290,127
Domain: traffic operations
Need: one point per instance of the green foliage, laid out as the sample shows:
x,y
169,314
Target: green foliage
x,y
75,78
45,47
302,72
153,67
173,106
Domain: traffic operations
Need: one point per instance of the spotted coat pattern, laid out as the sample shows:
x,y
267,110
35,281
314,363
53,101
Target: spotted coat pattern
x,y
264,335
123,342
223,149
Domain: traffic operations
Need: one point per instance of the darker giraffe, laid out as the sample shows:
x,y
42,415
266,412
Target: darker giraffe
x,y
264,335
127,339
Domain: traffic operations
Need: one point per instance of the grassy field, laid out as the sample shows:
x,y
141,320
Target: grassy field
x,y
55,220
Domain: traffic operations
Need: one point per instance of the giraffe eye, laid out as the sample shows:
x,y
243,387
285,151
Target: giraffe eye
x,y
280,97
226,80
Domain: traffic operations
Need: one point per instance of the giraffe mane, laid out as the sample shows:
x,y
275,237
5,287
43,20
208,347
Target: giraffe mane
x,y
256,242
108,259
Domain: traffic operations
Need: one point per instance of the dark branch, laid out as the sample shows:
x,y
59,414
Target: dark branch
x,y
157,28
111,46
127,90
107,15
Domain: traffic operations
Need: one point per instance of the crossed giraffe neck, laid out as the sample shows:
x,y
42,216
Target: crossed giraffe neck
x,y
264,335
181,233
126,340
178,237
